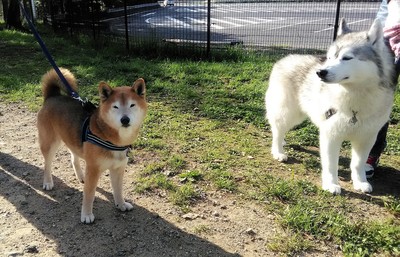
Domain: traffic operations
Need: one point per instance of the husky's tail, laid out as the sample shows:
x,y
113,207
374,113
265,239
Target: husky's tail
x,y
52,84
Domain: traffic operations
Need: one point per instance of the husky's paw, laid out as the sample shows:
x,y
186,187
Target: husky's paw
x,y
280,157
87,218
124,206
364,187
48,185
332,188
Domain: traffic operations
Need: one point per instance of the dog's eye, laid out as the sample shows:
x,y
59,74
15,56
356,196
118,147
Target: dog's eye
x,y
132,105
115,107
347,58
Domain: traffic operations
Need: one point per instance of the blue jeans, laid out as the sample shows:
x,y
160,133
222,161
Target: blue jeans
x,y
380,142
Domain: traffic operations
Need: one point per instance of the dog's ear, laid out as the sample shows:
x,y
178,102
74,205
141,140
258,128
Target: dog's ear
x,y
343,28
375,33
104,90
139,87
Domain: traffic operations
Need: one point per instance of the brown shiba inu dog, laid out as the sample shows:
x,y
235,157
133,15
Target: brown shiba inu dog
x,y
102,138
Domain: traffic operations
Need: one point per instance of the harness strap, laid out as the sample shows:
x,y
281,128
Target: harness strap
x,y
88,136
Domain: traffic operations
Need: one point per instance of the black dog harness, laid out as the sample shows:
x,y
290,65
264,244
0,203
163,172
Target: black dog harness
x,y
88,136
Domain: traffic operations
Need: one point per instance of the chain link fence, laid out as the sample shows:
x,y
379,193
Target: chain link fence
x,y
304,26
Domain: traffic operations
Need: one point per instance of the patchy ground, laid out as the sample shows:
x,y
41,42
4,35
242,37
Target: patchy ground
x,y
47,223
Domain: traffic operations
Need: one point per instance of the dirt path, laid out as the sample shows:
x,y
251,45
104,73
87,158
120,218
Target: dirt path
x,y
47,223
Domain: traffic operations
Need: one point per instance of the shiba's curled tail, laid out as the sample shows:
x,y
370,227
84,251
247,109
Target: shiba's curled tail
x,y
52,84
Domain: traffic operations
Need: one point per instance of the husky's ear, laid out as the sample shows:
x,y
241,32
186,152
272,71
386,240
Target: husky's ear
x,y
104,90
139,87
343,28
375,33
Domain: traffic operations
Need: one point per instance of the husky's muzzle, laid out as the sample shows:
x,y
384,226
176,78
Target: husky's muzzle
x,y
322,74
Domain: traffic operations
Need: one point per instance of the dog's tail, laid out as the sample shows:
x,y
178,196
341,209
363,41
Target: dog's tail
x,y
52,84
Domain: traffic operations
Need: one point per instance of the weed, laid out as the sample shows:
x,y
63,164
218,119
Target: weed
x,y
184,194
202,229
158,181
305,134
191,176
290,243
223,180
153,168
327,222
176,162
393,205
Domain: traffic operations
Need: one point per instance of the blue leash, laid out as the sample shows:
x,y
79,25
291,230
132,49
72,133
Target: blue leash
x,y
85,103
88,106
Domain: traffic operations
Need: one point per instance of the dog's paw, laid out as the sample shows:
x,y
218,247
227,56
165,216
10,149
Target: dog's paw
x,y
332,188
48,186
280,157
124,206
80,177
87,218
364,187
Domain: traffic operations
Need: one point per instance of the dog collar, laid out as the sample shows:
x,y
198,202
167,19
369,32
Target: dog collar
x,y
88,136
329,113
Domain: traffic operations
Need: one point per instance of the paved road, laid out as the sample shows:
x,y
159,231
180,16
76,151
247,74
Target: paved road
x,y
303,25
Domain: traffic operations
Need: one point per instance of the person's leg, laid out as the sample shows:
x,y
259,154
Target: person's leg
x,y
380,143
376,151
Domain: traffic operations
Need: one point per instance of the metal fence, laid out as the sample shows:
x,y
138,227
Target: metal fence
x,y
302,25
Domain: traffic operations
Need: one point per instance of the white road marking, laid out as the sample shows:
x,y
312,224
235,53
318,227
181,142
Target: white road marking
x,y
322,30
148,14
296,24
234,10
227,22
202,10
261,20
218,10
176,21
187,10
196,21
242,20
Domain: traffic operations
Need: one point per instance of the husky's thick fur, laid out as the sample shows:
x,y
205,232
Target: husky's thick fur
x,y
348,97
117,121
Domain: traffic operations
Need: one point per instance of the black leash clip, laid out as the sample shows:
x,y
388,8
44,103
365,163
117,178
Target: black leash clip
x,y
86,104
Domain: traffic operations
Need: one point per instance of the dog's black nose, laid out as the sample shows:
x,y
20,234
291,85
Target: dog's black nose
x,y
322,73
125,121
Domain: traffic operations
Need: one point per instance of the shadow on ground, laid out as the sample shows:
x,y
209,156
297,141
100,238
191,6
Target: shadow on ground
x,y
56,215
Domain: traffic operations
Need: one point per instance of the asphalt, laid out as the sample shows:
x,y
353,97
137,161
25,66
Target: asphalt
x,y
118,12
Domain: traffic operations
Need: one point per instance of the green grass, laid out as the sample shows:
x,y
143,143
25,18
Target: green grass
x,y
205,131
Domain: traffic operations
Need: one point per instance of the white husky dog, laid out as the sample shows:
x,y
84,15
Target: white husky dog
x,y
348,97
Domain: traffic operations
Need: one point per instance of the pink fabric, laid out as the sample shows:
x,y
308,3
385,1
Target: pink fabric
x,y
393,35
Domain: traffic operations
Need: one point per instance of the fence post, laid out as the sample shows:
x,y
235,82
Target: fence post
x,y
33,16
336,20
208,27
126,25
93,20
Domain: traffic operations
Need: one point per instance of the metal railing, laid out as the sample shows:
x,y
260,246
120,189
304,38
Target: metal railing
x,y
301,25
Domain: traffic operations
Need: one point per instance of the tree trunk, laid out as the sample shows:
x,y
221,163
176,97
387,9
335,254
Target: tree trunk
x,y
5,9
13,19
